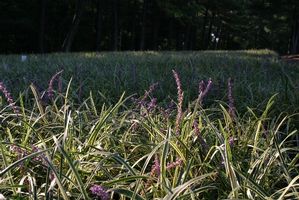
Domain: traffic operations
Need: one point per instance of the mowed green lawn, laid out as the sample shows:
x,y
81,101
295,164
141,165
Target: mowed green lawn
x,y
143,125
257,75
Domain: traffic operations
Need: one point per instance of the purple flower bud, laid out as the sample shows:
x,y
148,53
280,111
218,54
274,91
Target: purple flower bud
x,y
99,191
23,152
178,162
38,158
231,104
156,167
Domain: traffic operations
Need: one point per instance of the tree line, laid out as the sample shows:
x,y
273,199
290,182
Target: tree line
x,y
41,26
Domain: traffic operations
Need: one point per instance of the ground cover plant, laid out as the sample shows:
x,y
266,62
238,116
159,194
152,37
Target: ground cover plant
x,y
199,125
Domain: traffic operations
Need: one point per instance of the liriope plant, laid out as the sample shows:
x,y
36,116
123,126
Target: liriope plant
x,y
63,150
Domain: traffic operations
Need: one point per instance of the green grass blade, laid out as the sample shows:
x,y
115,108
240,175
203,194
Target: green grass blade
x,y
15,164
73,168
178,190
127,193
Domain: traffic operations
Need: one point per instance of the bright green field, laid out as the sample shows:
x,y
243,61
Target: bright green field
x,y
92,133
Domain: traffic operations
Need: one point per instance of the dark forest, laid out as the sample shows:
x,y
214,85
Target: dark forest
x,y
115,25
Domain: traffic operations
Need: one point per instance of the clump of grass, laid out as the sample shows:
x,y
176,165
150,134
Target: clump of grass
x,y
91,150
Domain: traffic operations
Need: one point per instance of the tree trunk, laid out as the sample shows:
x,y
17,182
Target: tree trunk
x,y
115,29
295,35
295,38
42,26
67,44
203,34
208,38
133,37
186,39
217,35
143,25
193,38
156,35
156,16
98,25
171,37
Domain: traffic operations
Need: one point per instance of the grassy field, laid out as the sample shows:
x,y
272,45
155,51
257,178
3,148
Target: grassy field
x,y
149,125
257,75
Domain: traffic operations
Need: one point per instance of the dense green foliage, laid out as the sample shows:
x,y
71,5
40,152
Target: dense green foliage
x,y
71,146
88,25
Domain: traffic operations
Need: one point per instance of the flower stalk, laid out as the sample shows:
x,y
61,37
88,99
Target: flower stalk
x,y
180,102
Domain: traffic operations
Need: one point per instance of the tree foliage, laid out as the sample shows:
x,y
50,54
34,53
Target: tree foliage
x,y
103,25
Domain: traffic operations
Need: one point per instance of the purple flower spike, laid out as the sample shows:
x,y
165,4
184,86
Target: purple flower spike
x,y
231,101
203,89
152,104
180,102
156,167
178,162
8,97
50,91
99,191
148,92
